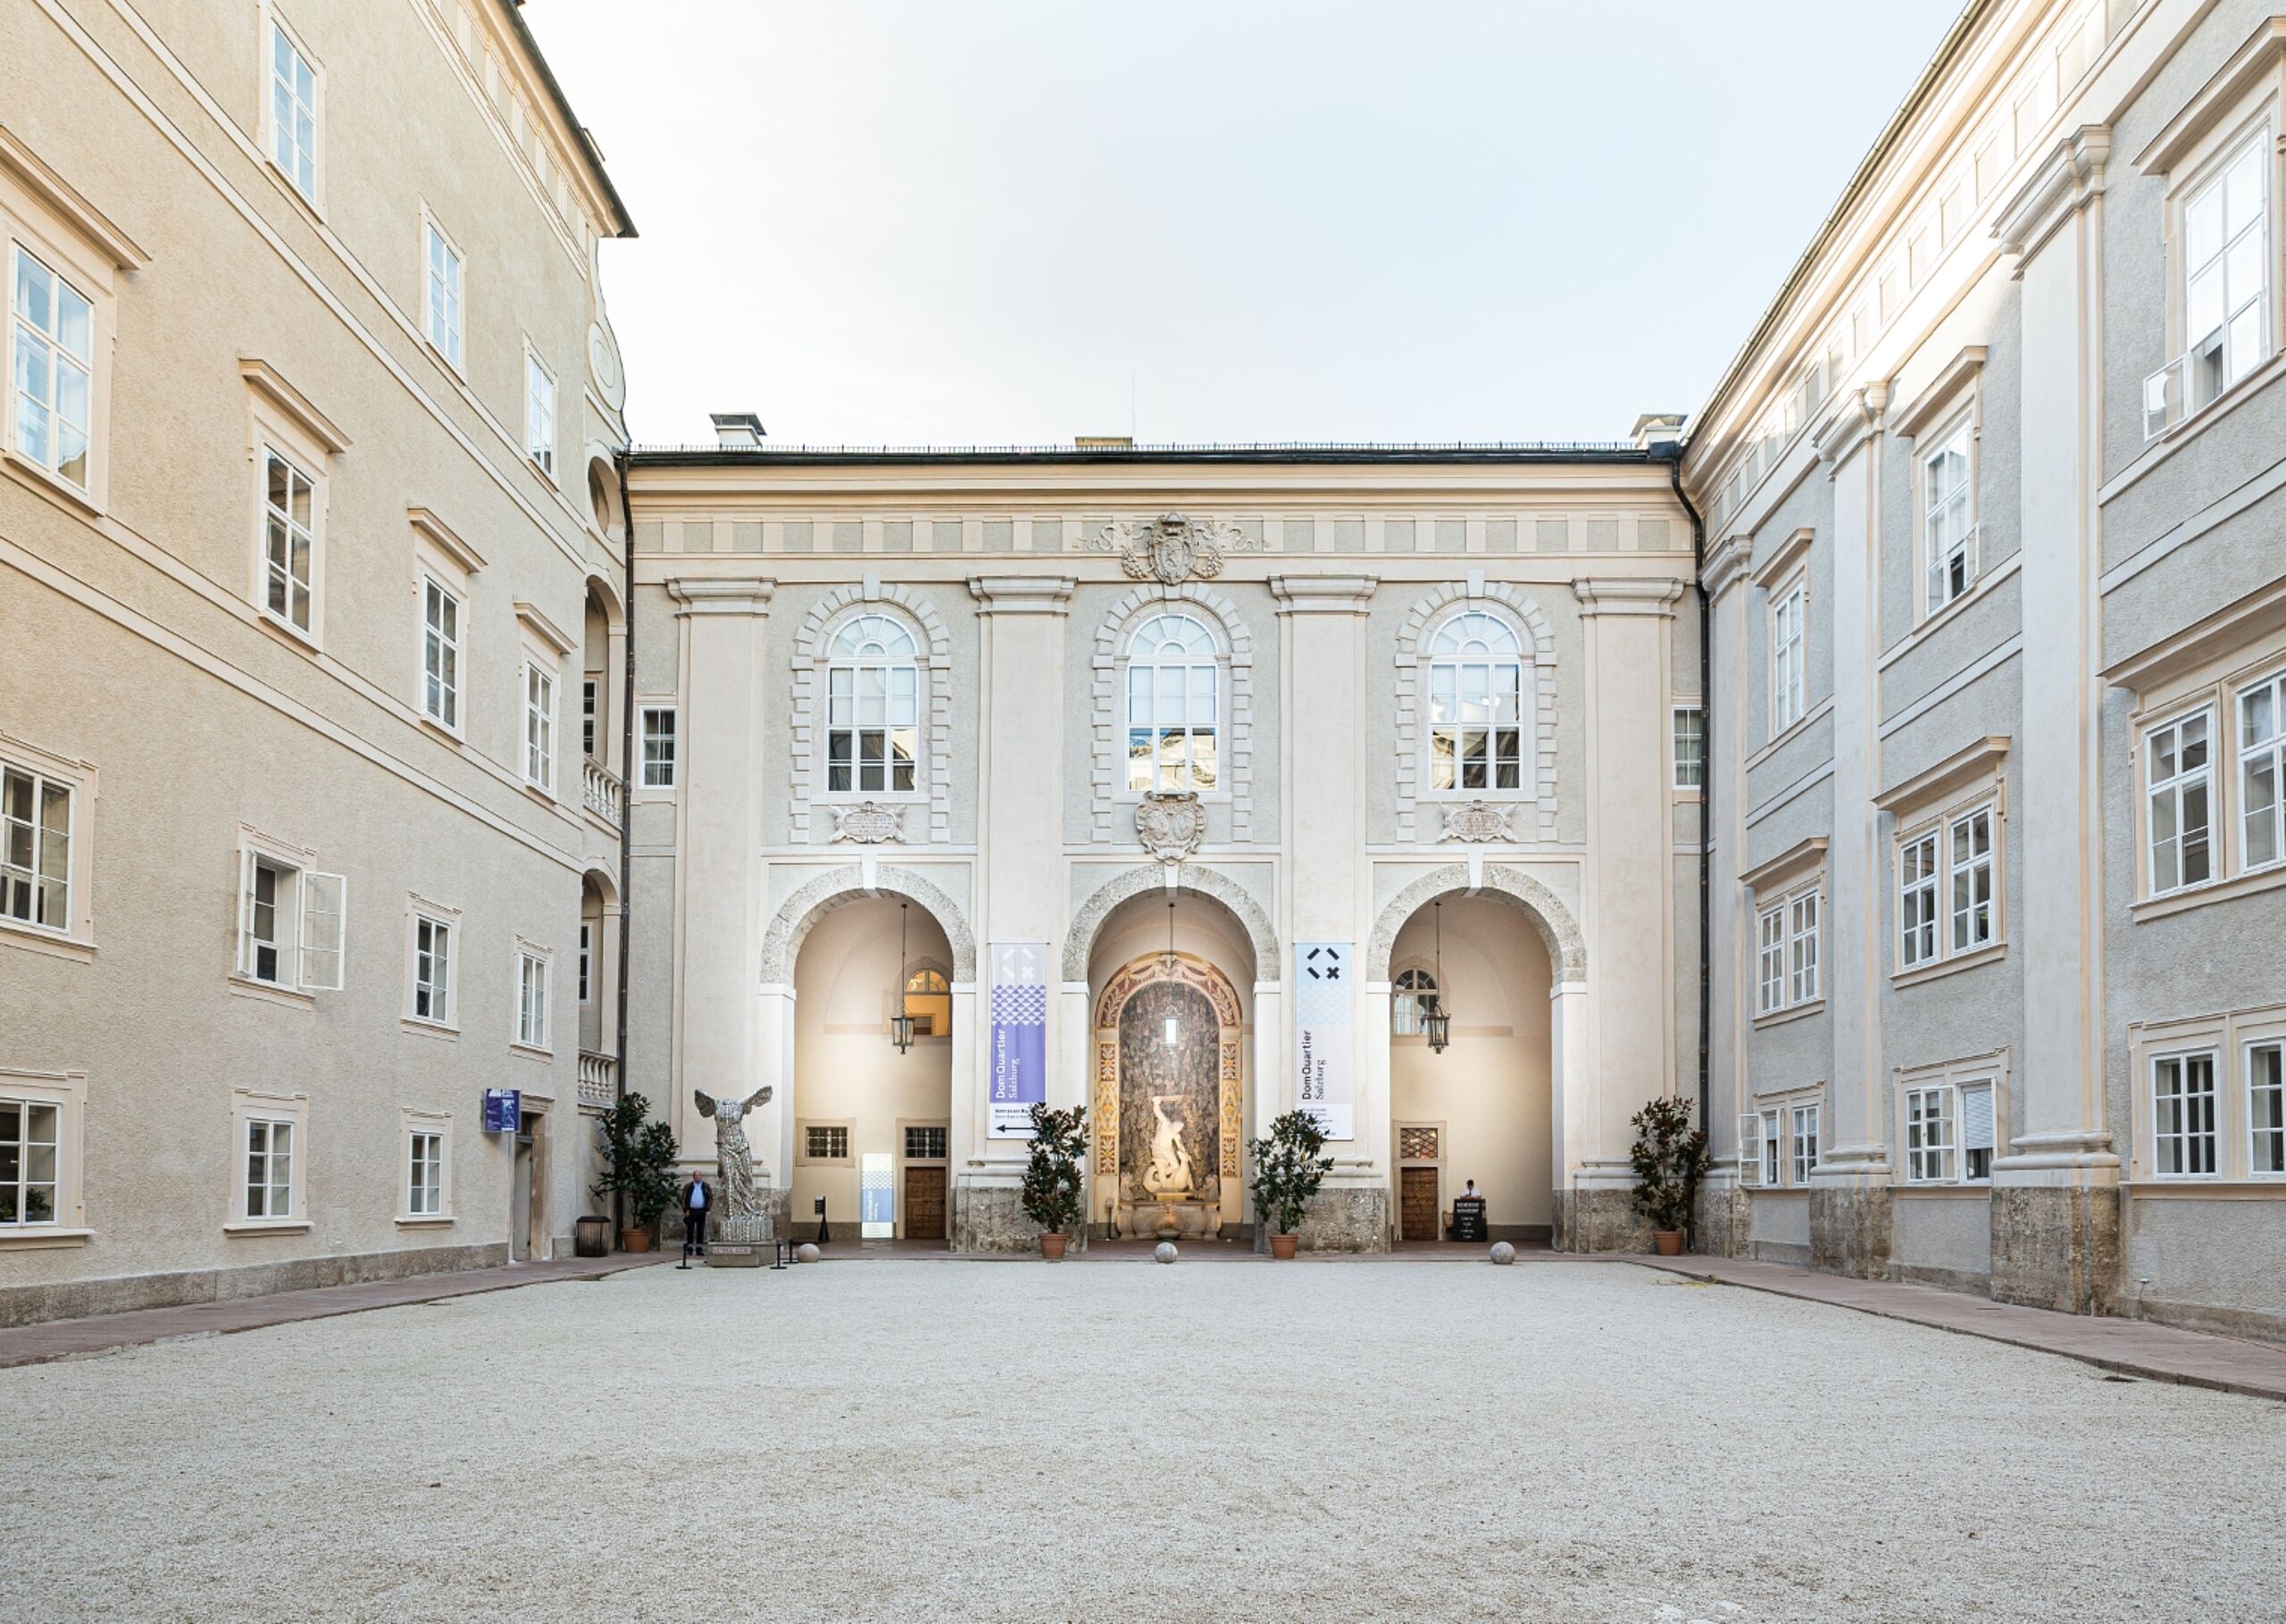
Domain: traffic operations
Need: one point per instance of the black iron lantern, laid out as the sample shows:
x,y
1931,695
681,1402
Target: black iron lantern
x,y
1436,1020
901,1023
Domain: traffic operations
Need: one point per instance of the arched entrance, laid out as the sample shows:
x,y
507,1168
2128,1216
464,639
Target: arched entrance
x,y
1168,1100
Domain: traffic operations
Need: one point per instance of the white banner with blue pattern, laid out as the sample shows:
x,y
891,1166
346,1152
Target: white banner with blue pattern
x,y
1019,1036
1324,1083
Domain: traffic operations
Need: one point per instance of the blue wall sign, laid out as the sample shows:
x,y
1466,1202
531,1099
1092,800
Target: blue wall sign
x,y
503,1110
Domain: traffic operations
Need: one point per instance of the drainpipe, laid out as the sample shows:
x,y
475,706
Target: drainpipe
x,y
1706,784
626,804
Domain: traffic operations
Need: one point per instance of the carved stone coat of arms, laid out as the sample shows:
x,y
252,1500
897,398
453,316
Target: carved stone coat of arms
x,y
1171,548
1170,826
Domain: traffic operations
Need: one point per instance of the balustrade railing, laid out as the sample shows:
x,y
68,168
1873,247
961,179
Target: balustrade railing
x,y
598,1078
600,790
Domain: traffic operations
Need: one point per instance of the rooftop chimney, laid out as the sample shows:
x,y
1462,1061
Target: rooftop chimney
x,y
737,430
1102,442
1652,429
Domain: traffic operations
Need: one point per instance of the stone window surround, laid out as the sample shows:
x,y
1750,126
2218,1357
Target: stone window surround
x,y
1953,400
418,908
255,1105
1990,1067
934,777
1931,802
1235,638
848,1126
78,940
1796,872
439,1123
271,20
1782,1105
67,1090
1532,629
441,555
2228,1036
544,1048
283,423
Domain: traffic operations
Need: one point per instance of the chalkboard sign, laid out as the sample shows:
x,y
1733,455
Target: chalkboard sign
x,y
1468,1219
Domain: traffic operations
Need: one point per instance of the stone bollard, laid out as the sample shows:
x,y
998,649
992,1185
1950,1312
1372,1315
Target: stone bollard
x,y
1165,1252
807,1251
1503,1253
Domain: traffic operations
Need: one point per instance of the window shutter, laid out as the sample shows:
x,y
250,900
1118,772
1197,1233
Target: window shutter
x,y
245,912
324,900
1976,1118
1750,1148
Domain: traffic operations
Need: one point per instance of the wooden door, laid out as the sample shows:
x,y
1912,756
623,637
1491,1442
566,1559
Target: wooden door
x,y
924,1203
1417,1204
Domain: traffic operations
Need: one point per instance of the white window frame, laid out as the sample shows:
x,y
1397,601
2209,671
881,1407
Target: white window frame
x,y
1770,960
274,1111
1803,1145
2266,754
2265,1119
48,337
590,695
1750,1149
532,1026
1966,867
536,696
29,780
539,412
1518,659
843,714
307,916
442,651
2235,1040
277,527
1957,1079
1405,988
66,1223
2213,352
1932,1157
1688,727
1178,775
657,771
277,135
1771,1174
1789,626
2183,1131
1948,516
77,244
2172,790
587,962
1920,939
442,1014
1804,925
424,1181
444,294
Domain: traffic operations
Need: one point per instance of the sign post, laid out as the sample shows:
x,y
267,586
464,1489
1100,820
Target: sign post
x,y
1019,1036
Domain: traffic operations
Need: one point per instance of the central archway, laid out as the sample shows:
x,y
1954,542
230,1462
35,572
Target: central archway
x,y
1168,1099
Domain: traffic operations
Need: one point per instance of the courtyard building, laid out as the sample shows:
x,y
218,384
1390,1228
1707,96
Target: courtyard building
x,y
312,585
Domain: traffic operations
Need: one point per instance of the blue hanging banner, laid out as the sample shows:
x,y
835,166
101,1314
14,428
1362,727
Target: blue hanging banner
x,y
503,1110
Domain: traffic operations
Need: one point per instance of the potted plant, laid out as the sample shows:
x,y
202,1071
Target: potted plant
x,y
638,1163
1287,1171
1669,1159
1052,1175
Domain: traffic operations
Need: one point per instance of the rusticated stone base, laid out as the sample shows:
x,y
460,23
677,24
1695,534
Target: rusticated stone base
x,y
1849,1229
1724,1226
1348,1218
123,1294
991,1218
2057,1247
1599,1218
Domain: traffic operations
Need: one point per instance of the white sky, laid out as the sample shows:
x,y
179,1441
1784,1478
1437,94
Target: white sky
x,y
975,222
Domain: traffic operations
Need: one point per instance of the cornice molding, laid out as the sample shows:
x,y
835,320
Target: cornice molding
x,y
1323,594
2233,626
706,594
1607,595
1857,421
1964,767
1023,594
1726,564
59,197
1803,857
267,381
532,620
2263,54
2066,182
1784,557
445,539
1941,392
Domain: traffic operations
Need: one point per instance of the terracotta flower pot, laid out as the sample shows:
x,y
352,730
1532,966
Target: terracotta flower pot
x,y
1051,1246
1667,1242
1281,1247
634,1240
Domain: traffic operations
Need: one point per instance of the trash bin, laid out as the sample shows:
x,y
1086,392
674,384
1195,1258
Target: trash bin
x,y
591,1237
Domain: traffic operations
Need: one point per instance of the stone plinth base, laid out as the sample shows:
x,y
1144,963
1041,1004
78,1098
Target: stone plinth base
x,y
1345,1218
1597,1218
771,1219
990,1217
1849,1229
2057,1247
1724,1222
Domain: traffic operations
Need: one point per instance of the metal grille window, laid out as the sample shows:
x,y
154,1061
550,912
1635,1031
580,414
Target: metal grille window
x,y
289,542
925,1143
30,1141
1416,1145
827,1144
873,709
1415,991
2182,1115
1173,706
1476,680
2176,802
2262,773
35,849
440,654
269,1169
424,1192
1948,520
2266,1108
54,330
1929,1146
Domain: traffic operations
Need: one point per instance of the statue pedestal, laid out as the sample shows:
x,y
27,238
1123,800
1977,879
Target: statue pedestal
x,y
740,1243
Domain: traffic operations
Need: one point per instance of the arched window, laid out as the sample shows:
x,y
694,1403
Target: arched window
x,y
872,733
1476,684
1410,996
1174,694
929,1000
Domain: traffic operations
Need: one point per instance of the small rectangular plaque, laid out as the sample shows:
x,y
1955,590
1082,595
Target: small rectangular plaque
x,y
733,1254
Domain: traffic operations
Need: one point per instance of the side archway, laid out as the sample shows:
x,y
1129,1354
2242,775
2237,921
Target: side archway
x,y
1146,878
1567,948
812,902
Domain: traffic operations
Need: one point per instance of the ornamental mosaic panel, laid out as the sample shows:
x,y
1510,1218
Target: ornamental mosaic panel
x,y
1416,1143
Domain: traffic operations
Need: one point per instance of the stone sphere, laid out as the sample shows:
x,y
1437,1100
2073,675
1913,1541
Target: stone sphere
x,y
1503,1253
1165,1252
808,1252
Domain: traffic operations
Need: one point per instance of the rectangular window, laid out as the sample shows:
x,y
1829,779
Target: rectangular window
x,y
1976,1132
424,1175
1690,747
532,1000
2266,1108
289,540
873,735
1971,866
540,727
291,925
31,1144
1805,1141
440,654
1771,959
2225,259
1787,690
269,1169
1772,1149
2175,799
2182,1115
539,414
54,329
658,747
2262,774
445,295
1929,1146
433,970
827,1144
588,717
293,113
587,947
1802,934
924,1143
1750,1148
35,848
1948,520
1916,878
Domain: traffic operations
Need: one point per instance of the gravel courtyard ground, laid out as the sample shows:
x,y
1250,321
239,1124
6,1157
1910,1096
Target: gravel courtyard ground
x,y
920,1439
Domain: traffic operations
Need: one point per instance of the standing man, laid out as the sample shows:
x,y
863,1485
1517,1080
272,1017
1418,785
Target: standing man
x,y
697,1203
